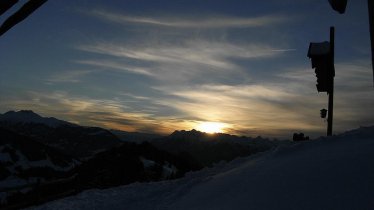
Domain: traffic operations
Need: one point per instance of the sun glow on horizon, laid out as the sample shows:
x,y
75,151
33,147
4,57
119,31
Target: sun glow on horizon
x,y
211,127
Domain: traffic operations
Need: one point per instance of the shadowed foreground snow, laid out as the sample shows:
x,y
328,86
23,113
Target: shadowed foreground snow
x,y
329,173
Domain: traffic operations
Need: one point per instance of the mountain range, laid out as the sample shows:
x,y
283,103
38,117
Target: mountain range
x,y
136,137
207,149
28,116
74,140
334,173
44,158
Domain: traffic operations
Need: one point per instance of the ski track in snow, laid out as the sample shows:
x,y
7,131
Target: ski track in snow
x,y
329,173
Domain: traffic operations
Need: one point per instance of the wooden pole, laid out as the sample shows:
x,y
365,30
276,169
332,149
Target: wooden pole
x,y
371,26
331,92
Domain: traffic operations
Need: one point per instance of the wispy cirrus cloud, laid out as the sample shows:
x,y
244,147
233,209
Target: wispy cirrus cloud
x,y
196,51
190,72
107,113
281,106
176,61
273,108
207,22
69,76
115,65
248,109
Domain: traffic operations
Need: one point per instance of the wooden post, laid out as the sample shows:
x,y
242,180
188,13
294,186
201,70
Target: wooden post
x,y
331,92
371,26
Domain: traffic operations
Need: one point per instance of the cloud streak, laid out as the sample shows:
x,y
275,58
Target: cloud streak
x,y
195,51
115,114
188,22
274,108
191,59
70,76
114,65
252,109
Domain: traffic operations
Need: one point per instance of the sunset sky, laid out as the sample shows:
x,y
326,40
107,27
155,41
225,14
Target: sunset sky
x,y
165,65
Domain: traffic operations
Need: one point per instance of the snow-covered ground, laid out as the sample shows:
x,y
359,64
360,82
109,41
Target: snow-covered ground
x,y
329,173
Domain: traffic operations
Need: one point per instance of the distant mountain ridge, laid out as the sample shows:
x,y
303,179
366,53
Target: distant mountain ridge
x,y
43,158
71,139
31,171
327,173
202,136
28,116
206,149
136,137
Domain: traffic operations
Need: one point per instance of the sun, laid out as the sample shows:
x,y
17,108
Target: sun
x,y
211,127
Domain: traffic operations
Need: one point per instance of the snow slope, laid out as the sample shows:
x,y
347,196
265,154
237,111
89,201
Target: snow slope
x,y
328,173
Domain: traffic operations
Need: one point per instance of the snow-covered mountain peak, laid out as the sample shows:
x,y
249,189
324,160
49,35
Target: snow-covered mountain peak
x,y
185,134
20,115
28,116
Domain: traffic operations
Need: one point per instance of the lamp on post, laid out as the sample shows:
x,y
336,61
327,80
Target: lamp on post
x,y
322,58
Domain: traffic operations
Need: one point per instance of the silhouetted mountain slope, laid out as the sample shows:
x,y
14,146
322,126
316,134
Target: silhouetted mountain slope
x,y
327,173
26,163
39,156
210,148
129,163
71,139
136,137
28,116
15,144
39,162
32,173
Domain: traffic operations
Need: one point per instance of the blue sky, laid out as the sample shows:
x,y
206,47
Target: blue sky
x,y
162,65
